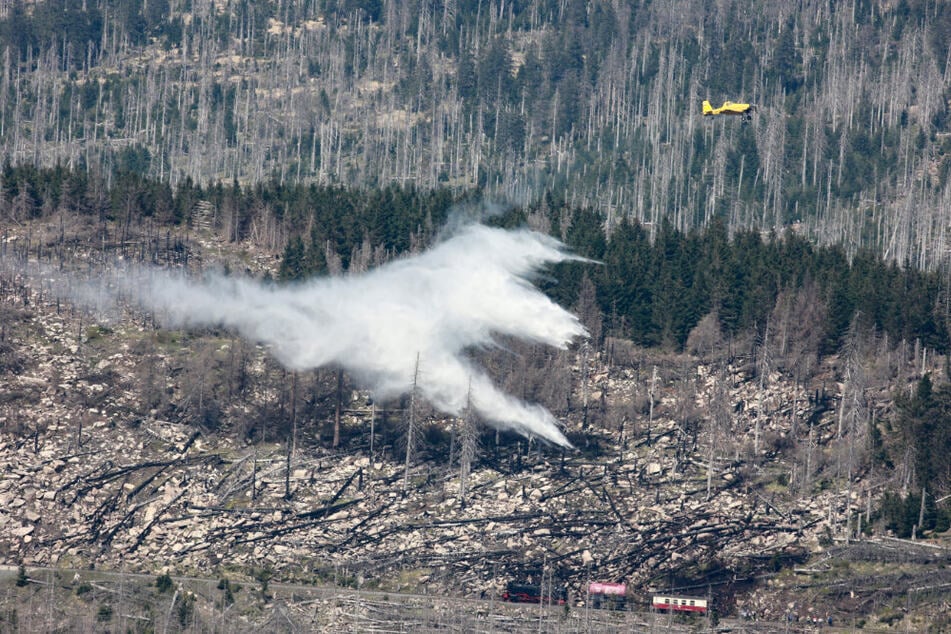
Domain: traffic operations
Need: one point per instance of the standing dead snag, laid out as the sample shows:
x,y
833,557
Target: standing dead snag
x,y
650,395
718,425
467,452
292,438
412,424
337,408
764,367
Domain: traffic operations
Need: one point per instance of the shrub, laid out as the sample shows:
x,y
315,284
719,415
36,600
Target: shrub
x,y
164,583
22,579
104,614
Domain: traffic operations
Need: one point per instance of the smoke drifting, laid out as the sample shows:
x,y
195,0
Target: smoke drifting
x,y
458,296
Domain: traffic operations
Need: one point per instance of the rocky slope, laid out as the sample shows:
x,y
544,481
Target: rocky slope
x,y
714,486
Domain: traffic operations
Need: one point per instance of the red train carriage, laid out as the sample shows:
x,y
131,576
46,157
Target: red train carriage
x,y
689,605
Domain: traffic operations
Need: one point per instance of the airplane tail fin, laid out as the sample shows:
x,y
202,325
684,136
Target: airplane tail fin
x,y
707,108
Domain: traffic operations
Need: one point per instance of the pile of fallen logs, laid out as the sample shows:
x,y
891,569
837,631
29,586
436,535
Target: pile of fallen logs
x,y
216,505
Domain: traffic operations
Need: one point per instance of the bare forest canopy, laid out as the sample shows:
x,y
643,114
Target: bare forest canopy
x,y
598,100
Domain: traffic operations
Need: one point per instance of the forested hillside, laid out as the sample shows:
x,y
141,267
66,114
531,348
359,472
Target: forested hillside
x,y
743,404
768,302
774,301
599,100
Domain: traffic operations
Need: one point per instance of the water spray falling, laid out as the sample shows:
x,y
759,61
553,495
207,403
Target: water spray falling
x,y
458,296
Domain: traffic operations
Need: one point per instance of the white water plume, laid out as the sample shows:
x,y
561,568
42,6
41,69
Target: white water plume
x,y
458,296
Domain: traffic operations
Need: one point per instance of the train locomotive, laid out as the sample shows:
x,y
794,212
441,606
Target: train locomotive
x,y
531,593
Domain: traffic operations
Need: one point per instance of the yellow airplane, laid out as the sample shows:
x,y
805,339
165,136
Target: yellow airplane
x,y
729,108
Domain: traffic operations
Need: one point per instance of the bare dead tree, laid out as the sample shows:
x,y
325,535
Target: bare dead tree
x,y
469,440
853,409
411,426
291,438
718,423
763,367
338,406
705,338
650,396
588,310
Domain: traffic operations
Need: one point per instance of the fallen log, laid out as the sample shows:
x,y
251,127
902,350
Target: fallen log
x,y
340,491
366,519
290,528
126,519
140,538
325,510
620,518
121,471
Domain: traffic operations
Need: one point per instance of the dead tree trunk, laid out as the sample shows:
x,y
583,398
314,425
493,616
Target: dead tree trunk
x,y
337,408
467,452
411,427
291,440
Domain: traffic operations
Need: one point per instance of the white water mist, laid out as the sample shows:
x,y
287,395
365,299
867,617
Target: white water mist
x,y
458,296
